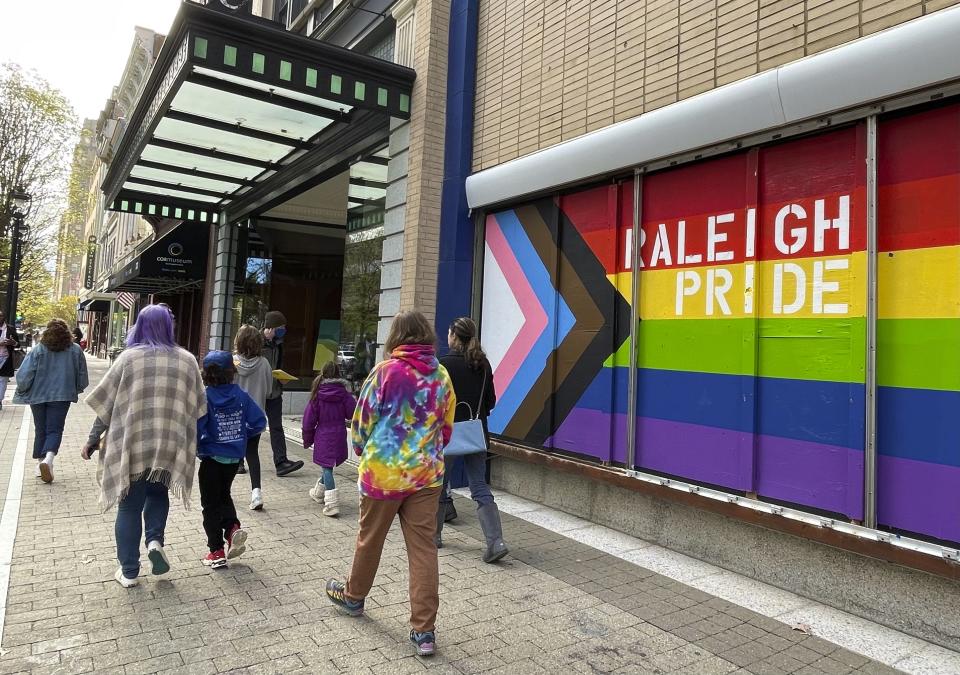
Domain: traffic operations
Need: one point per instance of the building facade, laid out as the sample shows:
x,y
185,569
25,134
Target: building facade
x,y
68,272
112,239
687,231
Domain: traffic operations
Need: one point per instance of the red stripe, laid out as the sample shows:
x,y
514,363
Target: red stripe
x,y
919,214
713,186
818,165
920,145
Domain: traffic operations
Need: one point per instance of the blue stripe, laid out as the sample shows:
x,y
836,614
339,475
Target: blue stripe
x,y
608,391
920,424
559,321
807,410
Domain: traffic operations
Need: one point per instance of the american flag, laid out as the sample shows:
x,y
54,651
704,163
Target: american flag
x,y
126,299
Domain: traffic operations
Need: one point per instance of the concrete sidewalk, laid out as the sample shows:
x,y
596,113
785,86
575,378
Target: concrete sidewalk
x,y
555,605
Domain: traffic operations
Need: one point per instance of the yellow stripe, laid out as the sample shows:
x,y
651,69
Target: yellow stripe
x,y
920,283
624,284
683,293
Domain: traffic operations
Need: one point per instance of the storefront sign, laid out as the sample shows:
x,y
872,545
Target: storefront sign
x,y
178,255
91,260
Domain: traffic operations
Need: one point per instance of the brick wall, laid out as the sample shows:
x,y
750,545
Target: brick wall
x,y
551,70
421,232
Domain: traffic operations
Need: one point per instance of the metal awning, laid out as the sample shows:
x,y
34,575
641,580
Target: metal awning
x,y
237,114
175,263
94,305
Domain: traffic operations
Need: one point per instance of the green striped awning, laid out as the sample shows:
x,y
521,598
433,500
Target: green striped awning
x,y
238,112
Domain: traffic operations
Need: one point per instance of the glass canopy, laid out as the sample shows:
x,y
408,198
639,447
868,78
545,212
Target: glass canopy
x,y
237,113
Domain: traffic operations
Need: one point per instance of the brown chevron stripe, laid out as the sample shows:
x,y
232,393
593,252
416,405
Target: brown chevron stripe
x,y
542,234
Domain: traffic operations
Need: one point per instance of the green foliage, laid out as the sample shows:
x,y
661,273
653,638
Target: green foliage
x,y
361,288
37,131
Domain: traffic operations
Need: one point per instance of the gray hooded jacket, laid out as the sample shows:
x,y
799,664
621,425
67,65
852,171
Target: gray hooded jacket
x,y
255,376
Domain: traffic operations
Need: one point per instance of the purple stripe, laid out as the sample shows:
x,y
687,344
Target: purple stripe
x,y
589,432
701,453
828,477
822,476
920,497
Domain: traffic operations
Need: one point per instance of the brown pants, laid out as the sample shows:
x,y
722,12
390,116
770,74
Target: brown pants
x,y
418,520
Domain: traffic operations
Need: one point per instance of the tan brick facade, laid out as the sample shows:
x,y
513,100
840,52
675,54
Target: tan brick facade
x,y
551,70
425,169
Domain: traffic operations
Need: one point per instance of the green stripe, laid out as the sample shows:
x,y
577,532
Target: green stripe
x,y
803,349
919,353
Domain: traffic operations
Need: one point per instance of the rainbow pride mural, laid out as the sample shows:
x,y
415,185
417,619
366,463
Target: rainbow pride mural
x,y
918,323
751,345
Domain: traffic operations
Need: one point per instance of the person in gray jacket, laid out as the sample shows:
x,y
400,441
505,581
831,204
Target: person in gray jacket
x,y
274,330
49,380
254,376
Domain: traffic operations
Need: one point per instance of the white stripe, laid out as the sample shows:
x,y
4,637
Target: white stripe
x,y
11,514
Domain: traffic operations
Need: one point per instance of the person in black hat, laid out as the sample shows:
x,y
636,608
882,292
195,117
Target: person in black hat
x,y
274,330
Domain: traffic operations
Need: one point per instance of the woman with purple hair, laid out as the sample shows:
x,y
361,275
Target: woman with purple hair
x,y
148,403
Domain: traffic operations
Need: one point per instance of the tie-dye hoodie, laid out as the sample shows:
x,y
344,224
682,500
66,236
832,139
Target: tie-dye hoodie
x,y
403,420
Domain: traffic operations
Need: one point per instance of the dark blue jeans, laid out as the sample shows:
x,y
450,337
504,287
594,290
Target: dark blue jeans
x,y
145,504
48,421
476,466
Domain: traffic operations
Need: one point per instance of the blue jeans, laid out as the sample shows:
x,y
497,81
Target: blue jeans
x,y
328,482
476,466
48,421
145,504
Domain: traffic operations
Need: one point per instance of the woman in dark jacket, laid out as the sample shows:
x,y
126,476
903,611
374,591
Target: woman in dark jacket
x,y
472,379
8,343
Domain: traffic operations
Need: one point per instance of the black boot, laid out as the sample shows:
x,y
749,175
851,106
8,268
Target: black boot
x,y
489,516
437,538
286,466
449,511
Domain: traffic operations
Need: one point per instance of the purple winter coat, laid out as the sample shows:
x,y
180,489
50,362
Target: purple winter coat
x,y
323,423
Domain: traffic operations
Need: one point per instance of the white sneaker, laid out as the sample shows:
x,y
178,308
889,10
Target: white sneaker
x,y
123,581
37,472
158,558
256,499
46,472
316,492
236,543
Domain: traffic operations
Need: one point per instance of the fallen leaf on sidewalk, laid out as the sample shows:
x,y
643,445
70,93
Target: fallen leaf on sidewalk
x,y
89,559
803,628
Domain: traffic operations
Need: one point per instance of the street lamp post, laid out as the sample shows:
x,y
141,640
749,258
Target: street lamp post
x,y
21,200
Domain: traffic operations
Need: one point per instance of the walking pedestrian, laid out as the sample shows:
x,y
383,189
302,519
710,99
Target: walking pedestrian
x,y
148,403
274,331
222,434
254,376
472,379
401,423
77,334
324,428
8,343
49,380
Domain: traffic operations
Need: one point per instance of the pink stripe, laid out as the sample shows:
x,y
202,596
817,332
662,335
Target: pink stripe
x,y
535,318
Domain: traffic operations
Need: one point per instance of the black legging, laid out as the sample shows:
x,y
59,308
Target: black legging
x,y
253,460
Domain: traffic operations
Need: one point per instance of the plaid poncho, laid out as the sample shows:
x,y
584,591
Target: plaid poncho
x,y
150,400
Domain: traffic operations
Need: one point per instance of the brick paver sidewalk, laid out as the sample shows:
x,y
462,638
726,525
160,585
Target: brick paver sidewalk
x,y
554,606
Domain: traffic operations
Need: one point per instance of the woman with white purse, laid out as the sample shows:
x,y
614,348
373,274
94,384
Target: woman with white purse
x,y
472,379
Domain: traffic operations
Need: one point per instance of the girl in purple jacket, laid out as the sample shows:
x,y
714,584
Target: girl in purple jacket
x,y
331,404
